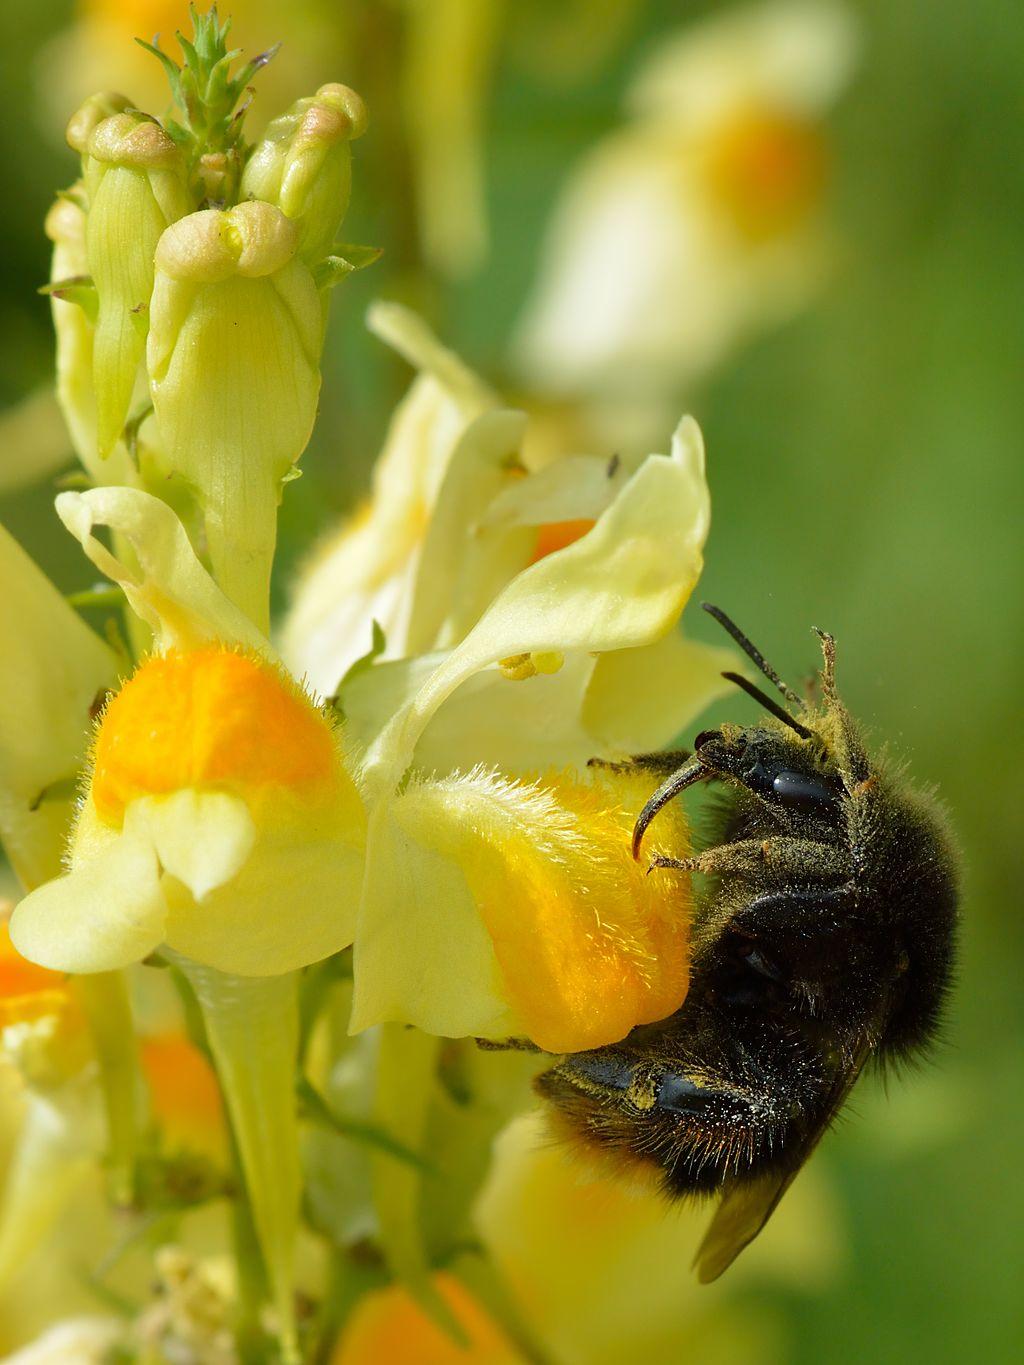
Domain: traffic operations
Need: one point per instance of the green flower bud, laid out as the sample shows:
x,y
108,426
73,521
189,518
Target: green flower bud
x,y
92,112
234,350
135,179
304,165
73,308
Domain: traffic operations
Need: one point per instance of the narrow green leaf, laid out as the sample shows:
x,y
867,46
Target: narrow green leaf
x,y
315,1109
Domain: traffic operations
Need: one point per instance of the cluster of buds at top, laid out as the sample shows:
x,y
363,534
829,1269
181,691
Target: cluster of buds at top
x,y
190,281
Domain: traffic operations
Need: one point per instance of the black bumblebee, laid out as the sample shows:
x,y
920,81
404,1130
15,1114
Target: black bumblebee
x,y
824,939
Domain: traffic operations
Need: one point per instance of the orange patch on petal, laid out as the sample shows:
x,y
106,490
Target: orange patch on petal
x,y
388,1327
556,535
588,944
20,979
767,170
210,718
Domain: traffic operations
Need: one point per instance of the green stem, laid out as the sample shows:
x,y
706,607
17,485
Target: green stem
x,y
252,1282
104,998
406,1076
252,1024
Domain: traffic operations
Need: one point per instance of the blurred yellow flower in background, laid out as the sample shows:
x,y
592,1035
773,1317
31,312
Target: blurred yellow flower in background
x,y
601,1270
390,1328
98,52
700,221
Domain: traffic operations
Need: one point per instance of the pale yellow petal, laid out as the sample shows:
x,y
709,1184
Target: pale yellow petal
x,y
517,726
621,585
56,669
202,838
572,488
790,54
408,334
293,902
422,954
168,588
461,567
367,570
639,700
108,912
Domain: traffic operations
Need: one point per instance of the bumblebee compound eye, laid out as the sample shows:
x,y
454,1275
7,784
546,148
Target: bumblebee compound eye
x,y
803,791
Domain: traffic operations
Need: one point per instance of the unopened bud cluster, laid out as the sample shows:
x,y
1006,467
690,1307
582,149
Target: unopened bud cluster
x,y
190,279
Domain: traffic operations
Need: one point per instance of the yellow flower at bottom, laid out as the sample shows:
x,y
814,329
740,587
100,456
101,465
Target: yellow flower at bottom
x,y
389,1328
220,820
600,1266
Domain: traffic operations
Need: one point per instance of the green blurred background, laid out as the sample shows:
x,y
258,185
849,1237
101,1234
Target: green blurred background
x,y
867,474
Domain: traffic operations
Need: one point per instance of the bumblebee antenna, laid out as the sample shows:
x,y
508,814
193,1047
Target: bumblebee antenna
x,y
752,652
768,703
828,667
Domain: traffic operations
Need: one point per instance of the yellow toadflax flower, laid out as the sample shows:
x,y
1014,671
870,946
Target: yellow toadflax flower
x,y
216,790
702,219
497,902
537,614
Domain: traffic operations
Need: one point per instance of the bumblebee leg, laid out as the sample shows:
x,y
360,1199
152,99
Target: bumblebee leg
x,y
683,864
507,1045
661,763
804,858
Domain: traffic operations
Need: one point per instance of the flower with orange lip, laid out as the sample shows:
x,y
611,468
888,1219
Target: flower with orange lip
x,y
215,785
537,614
699,222
219,824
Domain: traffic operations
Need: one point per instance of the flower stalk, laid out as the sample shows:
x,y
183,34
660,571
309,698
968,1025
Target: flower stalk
x,y
252,1025
105,1004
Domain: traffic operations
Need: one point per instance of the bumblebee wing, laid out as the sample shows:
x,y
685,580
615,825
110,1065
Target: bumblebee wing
x,y
747,1205
740,1216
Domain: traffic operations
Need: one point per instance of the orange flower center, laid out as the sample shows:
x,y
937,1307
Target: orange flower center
x,y
767,170
210,718
556,535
